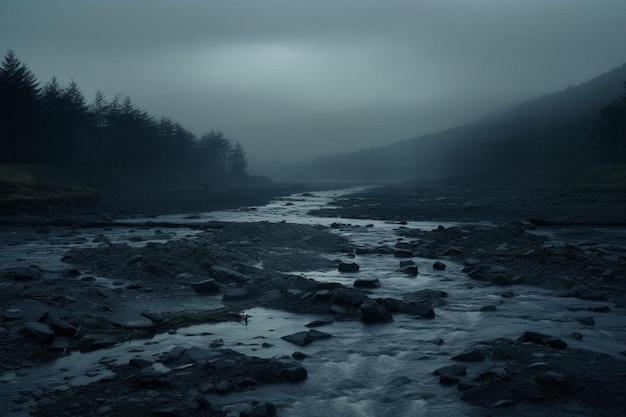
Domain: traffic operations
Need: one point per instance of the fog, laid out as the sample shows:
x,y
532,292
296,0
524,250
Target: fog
x,y
295,80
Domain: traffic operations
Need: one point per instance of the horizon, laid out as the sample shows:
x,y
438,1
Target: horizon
x,y
295,82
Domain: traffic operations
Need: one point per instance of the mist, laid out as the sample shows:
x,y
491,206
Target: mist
x,y
293,81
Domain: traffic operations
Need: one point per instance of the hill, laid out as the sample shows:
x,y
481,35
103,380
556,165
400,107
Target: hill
x,y
552,132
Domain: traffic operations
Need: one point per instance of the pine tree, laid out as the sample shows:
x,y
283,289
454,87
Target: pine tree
x,y
238,164
19,111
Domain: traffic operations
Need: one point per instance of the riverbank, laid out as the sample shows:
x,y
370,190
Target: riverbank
x,y
121,284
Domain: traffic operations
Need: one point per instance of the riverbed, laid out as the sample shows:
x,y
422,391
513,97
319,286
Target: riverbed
x,y
364,369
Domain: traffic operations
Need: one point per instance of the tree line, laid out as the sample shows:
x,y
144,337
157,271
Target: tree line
x,y
55,125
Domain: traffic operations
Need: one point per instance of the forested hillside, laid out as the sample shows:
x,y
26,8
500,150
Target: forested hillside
x,y
582,126
54,125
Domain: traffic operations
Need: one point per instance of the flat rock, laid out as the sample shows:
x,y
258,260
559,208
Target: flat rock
x,y
348,267
205,286
367,283
451,370
299,338
473,355
236,294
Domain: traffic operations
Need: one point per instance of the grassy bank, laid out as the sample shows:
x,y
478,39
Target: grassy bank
x,y
26,188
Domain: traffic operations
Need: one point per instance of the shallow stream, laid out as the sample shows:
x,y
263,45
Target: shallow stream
x,y
363,370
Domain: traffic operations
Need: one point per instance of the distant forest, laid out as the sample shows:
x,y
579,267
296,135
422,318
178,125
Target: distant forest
x,y
54,125
580,127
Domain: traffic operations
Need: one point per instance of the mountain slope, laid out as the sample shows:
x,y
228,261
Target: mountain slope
x,y
549,132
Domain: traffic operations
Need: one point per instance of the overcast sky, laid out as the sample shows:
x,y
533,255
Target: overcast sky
x,y
293,79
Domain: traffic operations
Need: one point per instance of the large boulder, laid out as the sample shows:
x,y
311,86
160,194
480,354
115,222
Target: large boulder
x,y
299,338
542,339
348,297
39,331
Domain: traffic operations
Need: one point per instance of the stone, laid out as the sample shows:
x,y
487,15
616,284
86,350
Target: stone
x,y
448,379
318,323
317,335
294,374
451,370
489,308
217,343
438,341
348,267
465,386
32,273
542,339
224,273
587,321
367,283
406,263
409,270
62,327
299,338
348,297
576,335
322,295
39,331
257,409
403,253
205,286
439,266
150,378
507,294
418,309
139,363
297,355
236,294
375,313
552,379
473,355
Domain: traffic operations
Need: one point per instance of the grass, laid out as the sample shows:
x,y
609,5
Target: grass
x,y
22,185
605,177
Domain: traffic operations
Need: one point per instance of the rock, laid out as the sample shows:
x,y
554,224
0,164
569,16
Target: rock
x,y
39,331
439,266
448,379
576,335
552,379
150,378
62,327
299,338
473,355
139,363
205,286
139,323
403,253
322,295
375,313
418,309
236,294
465,386
294,374
507,294
348,267
257,409
542,339
426,294
451,370
348,297
224,273
489,308
299,355
318,323
217,343
409,270
367,283
406,263
438,341
587,321
32,273
453,251
317,335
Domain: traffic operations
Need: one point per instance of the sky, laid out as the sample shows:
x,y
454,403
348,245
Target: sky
x,y
293,80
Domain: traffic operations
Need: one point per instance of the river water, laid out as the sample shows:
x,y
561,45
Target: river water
x,y
363,370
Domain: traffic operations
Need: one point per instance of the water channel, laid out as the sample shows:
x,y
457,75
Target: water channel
x,y
363,370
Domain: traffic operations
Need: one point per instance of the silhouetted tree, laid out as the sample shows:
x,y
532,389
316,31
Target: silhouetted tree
x,y
214,152
19,110
238,163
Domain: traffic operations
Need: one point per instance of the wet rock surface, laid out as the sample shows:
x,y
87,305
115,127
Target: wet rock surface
x,y
45,314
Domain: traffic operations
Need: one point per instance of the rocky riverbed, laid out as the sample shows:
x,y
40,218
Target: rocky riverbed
x,y
128,283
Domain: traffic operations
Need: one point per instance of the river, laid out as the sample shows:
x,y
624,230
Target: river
x,y
363,370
